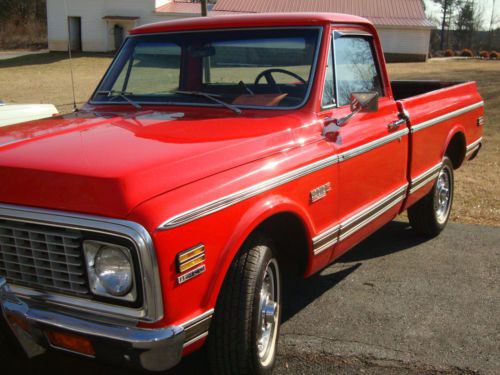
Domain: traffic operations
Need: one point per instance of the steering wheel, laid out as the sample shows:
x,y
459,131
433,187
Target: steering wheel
x,y
268,74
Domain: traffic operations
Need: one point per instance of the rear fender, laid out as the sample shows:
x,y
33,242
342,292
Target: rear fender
x,y
455,129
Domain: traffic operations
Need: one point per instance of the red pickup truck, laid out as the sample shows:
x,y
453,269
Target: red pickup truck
x,y
217,156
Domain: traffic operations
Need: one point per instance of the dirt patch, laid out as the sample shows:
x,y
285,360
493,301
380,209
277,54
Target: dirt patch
x,y
46,78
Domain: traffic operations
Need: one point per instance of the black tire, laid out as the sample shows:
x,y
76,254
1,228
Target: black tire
x,y
427,216
232,342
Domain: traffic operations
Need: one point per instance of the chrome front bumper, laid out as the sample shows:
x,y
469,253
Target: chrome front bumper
x,y
148,349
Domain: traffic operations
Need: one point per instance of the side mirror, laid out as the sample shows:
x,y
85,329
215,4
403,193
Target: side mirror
x,y
364,101
360,102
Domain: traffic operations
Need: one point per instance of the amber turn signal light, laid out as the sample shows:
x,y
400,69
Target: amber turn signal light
x,y
71,342
189,259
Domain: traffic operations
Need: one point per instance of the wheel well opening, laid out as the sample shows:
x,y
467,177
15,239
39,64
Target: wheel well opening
x,y
290,240
456,150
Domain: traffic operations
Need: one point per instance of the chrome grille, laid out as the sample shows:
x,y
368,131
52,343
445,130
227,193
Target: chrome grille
x,y
42,257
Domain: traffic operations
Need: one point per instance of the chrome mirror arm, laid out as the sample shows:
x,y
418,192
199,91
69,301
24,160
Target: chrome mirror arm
x,y
343,121
333,124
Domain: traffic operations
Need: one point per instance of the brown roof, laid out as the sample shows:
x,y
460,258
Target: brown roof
x,y
183,7
380,12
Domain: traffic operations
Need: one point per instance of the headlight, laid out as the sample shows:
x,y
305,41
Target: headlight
x,y
114,271
110,270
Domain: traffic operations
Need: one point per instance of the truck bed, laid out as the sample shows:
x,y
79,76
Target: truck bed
x,y
406,89
437,111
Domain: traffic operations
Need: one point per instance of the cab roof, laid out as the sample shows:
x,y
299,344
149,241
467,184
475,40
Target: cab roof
x,y
250,20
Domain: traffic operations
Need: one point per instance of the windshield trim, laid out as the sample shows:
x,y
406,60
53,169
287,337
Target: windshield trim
x,y
312,74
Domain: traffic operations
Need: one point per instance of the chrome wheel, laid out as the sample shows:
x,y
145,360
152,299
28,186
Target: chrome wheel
x,y
442,195
268,320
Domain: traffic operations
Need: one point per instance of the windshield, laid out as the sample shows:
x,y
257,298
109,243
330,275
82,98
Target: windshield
x,y
254,68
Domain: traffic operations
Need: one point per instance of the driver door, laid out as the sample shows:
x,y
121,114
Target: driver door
x,y
372,165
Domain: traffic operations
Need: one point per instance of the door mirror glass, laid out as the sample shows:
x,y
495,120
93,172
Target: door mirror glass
x,y
364,101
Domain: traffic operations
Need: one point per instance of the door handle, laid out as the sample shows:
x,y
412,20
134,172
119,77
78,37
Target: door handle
x,y
396,124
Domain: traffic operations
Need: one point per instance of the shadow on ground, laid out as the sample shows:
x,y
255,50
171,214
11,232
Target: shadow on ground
x,y
394,237
48,58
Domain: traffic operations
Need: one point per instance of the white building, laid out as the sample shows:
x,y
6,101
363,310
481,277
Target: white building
x,y
98,25
101,25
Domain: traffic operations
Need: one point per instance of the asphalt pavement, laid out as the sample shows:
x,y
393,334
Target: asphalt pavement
x,y
396,304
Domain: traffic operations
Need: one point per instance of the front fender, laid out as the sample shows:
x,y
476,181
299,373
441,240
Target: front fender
x,y
259,212
222,233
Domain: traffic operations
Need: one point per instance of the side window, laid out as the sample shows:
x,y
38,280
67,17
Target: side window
x,y
355,67
329,87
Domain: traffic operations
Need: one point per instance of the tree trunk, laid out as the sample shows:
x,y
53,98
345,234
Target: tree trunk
x,y
204,11
492,24
443,25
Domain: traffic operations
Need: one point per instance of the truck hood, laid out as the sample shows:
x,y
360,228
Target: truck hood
x,y
108,163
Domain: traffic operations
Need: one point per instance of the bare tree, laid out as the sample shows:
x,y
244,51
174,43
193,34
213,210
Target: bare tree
x,y
22,23
493,22
464,25
447,13
468,21
23,9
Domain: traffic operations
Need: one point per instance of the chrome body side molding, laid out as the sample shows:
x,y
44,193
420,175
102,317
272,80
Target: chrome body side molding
x,y
363,218
473,147
432,174
326,239
152,309
197,328
372,145
426,177
439,119
356,222
252,191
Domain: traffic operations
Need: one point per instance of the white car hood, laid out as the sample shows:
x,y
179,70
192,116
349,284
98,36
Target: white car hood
x,y
16,113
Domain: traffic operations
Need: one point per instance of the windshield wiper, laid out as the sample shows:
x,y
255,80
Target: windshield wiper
x,y
212,97
119,94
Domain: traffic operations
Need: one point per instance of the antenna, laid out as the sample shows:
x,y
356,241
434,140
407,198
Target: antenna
x,y
75,108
